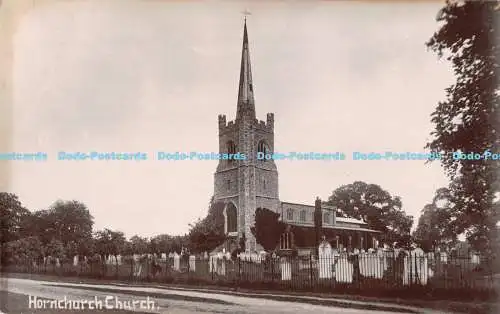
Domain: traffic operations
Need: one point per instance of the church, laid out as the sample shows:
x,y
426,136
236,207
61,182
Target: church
x,y
244,185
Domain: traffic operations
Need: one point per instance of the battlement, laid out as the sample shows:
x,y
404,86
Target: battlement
x,y
270,120
224,125
222,121
267,125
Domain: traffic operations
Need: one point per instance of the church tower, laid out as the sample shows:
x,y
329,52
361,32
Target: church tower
x,y
245,185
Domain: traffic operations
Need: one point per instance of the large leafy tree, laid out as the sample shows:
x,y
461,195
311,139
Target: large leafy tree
x,y
374,205
268,228
468,121
12,215
109,242
24,250
208,233
70,221
435,228
139,245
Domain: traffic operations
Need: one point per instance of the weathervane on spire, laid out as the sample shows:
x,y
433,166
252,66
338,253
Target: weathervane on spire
x,y
246,13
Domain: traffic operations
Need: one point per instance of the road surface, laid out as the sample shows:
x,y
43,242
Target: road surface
x,y
165,300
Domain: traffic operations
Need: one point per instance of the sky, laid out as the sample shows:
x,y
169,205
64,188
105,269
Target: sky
x,y
149,76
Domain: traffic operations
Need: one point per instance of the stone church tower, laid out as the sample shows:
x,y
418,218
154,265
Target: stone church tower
x,y
245,185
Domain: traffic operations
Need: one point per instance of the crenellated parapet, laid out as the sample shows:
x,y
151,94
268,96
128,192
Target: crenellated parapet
x,y
268,125
225,126
270,120
222,121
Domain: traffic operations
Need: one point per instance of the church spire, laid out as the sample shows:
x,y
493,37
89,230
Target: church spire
x,y
246,103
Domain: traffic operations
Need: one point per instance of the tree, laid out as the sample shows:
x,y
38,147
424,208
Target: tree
x,y
268,228
12,214
55,249
208,233
468,121
109,242
69,221
380,210
25,249
166,243
139,245
435,225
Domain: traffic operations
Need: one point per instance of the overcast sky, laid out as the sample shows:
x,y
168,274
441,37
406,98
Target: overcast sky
x,y
151,76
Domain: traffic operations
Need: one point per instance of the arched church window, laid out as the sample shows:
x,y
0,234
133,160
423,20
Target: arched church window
x,y
289,214
262,147
231,147
231,218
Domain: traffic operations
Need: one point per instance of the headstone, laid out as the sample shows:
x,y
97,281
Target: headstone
x,y
343,270
325,260
75,260
205,255
286,269
192,263
58,262
163,256
416,268
475,259
213,263
177,262
119,259
221,266
444,257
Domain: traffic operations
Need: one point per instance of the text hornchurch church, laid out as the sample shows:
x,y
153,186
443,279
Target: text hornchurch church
x,y
245,185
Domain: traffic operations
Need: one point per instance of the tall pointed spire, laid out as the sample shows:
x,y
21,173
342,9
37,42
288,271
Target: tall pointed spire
x,y
246,103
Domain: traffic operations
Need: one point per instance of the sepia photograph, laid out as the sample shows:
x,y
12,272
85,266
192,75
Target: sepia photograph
x,y
161,156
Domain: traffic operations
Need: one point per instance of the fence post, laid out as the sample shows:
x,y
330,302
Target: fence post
x,y
211,267
238,258
271,261
311,270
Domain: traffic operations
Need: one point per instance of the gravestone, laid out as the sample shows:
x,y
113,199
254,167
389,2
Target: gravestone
x,y
344,270
325,260
177,262
75,260
192,263
212,264
416,268
444,257
286,268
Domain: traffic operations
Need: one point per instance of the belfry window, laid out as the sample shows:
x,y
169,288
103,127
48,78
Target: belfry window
x,y
231,150
262,148
231,147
